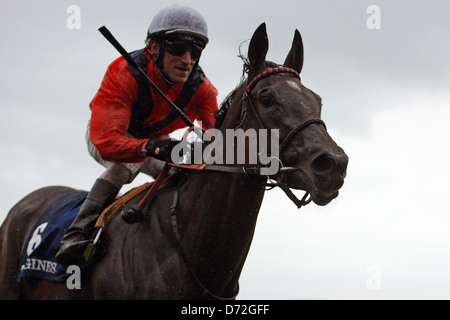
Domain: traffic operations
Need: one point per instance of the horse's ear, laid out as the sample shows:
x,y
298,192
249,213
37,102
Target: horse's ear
x,y
257,50
294,58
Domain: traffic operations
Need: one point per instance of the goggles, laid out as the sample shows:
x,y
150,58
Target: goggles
x,y
178,46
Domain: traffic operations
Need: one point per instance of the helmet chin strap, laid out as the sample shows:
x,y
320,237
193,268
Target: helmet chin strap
x,y
166,78
159,63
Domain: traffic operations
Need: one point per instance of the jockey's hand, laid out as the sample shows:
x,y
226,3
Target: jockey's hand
x,y
160,149
196,151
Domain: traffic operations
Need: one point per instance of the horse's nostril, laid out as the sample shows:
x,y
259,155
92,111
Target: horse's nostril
x,y
322,163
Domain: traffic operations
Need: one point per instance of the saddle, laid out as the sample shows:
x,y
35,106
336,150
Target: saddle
x,y
134,213
131,214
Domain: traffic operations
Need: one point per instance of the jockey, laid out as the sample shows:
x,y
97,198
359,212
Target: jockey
x,y
130,123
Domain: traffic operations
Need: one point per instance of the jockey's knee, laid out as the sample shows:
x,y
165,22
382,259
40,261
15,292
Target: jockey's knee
x,y
152,166
121,173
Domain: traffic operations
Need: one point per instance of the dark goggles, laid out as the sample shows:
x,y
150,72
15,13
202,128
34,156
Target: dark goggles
x,y
180,45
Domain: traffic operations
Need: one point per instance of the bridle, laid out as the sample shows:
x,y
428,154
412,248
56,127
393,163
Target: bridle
x,y
247,101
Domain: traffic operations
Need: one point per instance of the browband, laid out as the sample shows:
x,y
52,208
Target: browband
x,y
269,72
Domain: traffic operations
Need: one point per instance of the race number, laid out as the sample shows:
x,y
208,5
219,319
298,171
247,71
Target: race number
x,y
36,238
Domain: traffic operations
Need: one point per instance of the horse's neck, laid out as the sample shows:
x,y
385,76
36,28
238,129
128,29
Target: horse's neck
x,y
218,227
217,219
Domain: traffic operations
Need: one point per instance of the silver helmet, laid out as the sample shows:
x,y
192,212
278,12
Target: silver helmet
x,y
179,19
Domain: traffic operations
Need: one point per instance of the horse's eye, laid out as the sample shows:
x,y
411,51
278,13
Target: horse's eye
x,y
265,101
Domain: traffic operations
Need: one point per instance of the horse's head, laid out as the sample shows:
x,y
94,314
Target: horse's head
x,y
280,101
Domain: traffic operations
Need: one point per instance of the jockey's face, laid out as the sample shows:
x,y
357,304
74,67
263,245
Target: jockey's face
x,y
178,68
178,64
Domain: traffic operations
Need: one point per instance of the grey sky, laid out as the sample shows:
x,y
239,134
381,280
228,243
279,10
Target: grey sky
x,y
386,101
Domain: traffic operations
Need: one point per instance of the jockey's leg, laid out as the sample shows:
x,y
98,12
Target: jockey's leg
x,y
103,192
105,189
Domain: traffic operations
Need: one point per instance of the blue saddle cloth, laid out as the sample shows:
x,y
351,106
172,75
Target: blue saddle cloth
x,y
38,256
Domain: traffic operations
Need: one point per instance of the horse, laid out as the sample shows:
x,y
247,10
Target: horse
x,y
195,234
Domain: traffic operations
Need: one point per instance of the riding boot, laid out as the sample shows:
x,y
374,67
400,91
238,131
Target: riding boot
x,y
76,238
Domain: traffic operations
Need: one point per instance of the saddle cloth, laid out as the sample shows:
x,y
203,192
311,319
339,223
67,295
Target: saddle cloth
x,y
38,256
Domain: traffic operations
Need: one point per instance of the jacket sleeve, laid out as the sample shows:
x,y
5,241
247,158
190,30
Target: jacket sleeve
x,y
111,112
206,104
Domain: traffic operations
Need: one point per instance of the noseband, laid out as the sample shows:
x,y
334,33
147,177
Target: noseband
x,y
289,136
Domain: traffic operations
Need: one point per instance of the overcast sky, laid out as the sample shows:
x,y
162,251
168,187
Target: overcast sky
x,y
386,102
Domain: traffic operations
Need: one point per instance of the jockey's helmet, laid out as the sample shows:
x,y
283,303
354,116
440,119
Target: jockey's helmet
x,y
178,19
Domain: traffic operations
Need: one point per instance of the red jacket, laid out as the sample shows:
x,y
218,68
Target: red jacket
x,y
112,107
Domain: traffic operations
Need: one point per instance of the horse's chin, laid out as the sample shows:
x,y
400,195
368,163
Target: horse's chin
x,y
300,181
322,198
